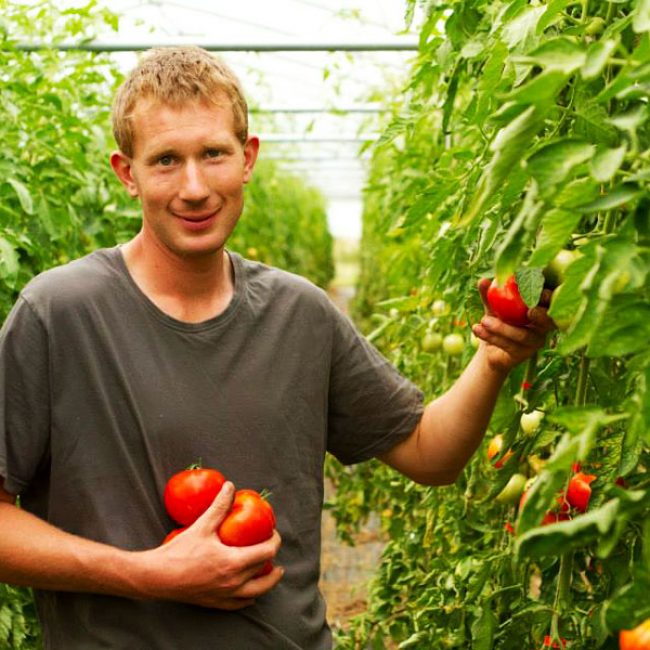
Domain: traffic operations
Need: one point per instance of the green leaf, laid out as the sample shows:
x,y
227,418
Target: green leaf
x,y
508,146
592,123
598,55
530,282
557,227
624,329
9,262
630,605
552,14
483,627
641,21
24,196
551,164
606,163
625,193
540,89
557,54
604,526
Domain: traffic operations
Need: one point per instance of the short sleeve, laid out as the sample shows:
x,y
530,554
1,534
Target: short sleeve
x,y
372,407
24,397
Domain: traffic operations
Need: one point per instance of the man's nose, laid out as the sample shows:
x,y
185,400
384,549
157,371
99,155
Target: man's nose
x,y
193,183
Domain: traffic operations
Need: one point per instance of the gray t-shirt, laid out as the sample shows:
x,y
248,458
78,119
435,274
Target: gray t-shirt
x,y
103,397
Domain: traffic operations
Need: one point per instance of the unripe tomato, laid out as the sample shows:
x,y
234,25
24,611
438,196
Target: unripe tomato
x,y
453,344
189,493
431,341
440,308
579,491
507,304
512,490
555,270
493,450
475,341
595,26
530,422
636,639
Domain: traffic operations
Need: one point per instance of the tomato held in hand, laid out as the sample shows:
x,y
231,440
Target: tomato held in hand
x,y
507,304
579,491
636,639
176,531
250,521
189,493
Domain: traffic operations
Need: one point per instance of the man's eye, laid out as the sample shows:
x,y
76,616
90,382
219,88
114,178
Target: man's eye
x,y
165,161
213,153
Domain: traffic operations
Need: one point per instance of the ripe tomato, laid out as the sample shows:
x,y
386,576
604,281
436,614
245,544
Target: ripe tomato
x,y
507,304
636,639
173,534
493,450
579,491
251,520
547,642
189,493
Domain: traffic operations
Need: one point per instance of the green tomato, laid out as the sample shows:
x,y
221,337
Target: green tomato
x,y
453,344
555,270
440,308
512,490
595,26
475,341
431,341
530,422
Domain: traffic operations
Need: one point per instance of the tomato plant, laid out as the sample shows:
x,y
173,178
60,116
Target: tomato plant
x,y
189,493
521,131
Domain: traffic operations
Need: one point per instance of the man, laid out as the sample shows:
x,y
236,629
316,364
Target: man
x,y
120,369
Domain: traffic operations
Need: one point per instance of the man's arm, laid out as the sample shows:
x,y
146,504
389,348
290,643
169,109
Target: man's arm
x,y
452,426
194,568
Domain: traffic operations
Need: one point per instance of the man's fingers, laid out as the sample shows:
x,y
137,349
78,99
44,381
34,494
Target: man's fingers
x,y
218,509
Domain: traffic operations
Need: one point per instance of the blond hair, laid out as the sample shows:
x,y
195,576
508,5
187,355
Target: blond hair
x,y
175,75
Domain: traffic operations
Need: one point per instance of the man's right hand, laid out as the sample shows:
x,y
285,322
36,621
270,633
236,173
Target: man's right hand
x,y
196,567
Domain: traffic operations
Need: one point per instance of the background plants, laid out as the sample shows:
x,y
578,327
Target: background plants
x,y
522,132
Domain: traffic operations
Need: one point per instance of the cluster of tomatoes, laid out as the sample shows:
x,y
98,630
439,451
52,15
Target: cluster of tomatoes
x,y
189,493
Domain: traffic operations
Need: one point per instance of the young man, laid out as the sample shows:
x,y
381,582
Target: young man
x,y
120,369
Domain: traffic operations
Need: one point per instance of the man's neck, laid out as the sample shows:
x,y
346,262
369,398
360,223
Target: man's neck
x,y
190,289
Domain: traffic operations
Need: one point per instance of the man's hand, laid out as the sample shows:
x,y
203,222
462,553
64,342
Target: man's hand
x,y
196,567
506,345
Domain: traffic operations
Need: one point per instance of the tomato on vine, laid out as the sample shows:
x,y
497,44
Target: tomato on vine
x,y
636,639
494,449
579,491
506,302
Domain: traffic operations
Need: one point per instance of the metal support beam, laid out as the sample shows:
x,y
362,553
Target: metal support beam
x,y
405,46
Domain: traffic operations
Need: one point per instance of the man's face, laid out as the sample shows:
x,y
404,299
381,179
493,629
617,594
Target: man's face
x,y
188,169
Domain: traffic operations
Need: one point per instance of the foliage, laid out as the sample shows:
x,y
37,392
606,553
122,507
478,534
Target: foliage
x,y
523,130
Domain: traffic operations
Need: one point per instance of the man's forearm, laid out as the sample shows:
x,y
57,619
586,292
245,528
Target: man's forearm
x,y
36,554
451,427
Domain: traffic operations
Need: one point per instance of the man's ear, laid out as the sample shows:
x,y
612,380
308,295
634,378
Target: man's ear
x,y
251,149
121,165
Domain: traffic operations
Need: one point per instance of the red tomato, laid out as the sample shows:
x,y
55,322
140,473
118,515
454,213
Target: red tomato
x,y
250,521
173,534
547,642
579,491
494,449
507,304
553,517
636,639
189,493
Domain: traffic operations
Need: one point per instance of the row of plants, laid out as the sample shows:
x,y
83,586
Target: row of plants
x,y
60,200
520,145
